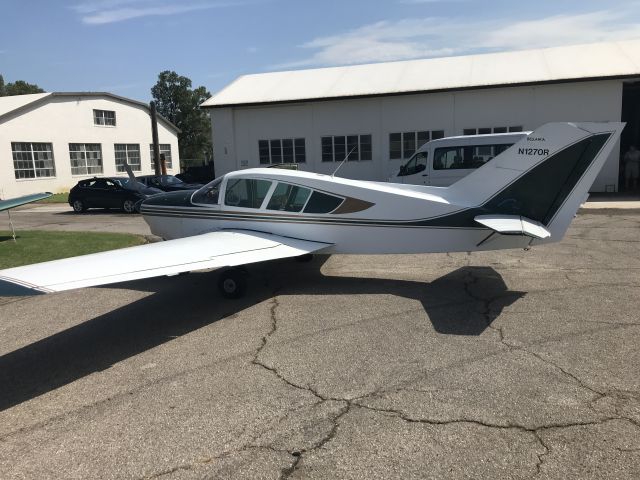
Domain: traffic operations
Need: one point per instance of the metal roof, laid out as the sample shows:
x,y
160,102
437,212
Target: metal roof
x,y
578,62
16,104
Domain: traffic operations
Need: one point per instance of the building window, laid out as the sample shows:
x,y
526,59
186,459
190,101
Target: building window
x,y
165,148
86,158
104,117
405,144
286,150
488,130
33,160
335,148
127,152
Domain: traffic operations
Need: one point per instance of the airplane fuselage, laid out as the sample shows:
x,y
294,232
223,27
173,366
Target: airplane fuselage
x,y
370,217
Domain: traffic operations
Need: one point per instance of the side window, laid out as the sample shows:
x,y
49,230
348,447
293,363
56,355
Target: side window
x,y
417,164
208,194
322,203
99,183
246,192
447,158
469,156
288,198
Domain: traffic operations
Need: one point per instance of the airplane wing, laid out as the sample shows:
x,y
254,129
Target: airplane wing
x,y
16,202
206,251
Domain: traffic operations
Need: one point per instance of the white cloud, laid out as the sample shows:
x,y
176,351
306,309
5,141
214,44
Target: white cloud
x,y
97,12
433,37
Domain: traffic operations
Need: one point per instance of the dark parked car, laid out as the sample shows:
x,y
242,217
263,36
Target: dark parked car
x,y
114,192
167,183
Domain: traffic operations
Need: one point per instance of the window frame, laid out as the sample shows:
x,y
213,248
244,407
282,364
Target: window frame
x,y
100,119
298,149
223,198
84,151
404,140
343,141
127,145
33,160
168,159
492,130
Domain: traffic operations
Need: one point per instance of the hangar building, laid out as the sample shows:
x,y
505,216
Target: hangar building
x,y
50,141
386,110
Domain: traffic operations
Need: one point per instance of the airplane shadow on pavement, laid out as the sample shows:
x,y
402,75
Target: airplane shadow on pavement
x,y
456,304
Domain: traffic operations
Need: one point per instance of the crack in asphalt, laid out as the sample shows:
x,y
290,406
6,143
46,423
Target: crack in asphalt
x,y
488,312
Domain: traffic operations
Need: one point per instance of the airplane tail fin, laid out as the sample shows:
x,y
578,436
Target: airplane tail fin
x,y
542,179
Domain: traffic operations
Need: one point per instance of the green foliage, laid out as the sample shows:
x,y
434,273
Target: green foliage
x,y
19,87
179,103
56,198
42,246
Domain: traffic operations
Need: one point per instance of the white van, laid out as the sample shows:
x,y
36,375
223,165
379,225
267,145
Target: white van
x,y
444,161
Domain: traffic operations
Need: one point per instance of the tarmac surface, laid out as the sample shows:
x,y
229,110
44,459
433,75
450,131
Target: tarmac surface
x,y
509,364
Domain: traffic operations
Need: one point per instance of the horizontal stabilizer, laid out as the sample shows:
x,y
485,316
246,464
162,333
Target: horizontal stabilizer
x,y
513,225
206,251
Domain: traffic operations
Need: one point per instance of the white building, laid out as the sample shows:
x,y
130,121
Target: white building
x,y
387,110
49,141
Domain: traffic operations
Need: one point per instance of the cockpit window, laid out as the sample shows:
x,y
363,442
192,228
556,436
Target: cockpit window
x,y
322,203
246,192
209,194
288,198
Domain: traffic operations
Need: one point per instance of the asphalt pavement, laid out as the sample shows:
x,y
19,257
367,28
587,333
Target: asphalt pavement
x,y
508,364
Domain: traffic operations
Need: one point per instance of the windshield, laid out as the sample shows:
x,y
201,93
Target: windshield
x,y
126,183
208,194
170,180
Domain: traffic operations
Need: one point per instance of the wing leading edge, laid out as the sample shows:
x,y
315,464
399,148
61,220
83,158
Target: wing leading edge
x,y
16,202
199,252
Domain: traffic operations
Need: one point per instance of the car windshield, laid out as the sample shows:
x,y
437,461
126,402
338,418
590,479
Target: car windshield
x,y
126,183
170,180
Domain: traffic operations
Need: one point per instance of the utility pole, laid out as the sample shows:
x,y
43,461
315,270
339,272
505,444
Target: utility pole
x,y
154,134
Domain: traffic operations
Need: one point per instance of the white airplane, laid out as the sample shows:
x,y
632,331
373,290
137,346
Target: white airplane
x,y
525,196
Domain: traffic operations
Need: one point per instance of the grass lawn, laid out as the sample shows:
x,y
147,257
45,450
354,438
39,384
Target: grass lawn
x,y
40,246
56,198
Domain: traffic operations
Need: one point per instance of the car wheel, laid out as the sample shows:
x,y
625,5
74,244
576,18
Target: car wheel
x,y
129,206
78,206
232,283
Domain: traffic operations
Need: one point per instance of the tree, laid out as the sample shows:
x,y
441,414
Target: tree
x,y
179,103
19,87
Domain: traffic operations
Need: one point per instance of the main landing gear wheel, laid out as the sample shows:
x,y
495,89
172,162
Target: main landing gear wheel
x,y
233,283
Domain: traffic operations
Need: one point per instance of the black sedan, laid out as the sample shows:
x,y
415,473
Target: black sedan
x,y
114,192
167,183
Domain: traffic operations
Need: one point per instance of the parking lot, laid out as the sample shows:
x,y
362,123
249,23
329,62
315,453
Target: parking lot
x,y
508,364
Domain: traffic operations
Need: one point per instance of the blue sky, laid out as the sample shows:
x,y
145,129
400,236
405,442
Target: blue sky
x,y
121,45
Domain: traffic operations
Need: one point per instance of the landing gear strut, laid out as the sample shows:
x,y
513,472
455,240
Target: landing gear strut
x,y
232,283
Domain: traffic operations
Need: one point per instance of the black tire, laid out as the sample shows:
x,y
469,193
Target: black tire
x,y
232,283
78,206
129,206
